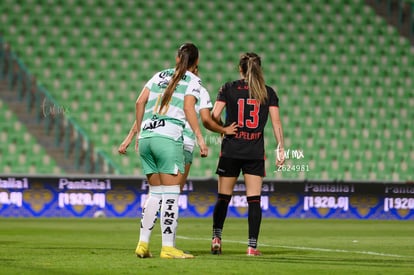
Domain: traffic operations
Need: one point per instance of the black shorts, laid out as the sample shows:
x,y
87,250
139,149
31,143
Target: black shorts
x,y
229,167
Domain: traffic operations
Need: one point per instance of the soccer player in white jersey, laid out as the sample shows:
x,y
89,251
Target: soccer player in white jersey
x,y
162,109
203,108
165,104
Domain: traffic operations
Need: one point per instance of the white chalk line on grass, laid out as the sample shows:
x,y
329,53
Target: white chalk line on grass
x,y
308,248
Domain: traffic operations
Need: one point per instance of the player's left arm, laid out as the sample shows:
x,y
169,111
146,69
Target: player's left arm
x,y
128,139
212,125
278,132
191,116
217,110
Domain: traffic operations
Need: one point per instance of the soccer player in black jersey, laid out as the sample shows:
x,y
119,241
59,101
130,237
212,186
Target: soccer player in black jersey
x,y
248,101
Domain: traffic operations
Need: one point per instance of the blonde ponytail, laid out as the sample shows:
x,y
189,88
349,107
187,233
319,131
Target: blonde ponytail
x,y
250,65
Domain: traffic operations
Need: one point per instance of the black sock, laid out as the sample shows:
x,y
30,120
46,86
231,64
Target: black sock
x,y
220,213
254,219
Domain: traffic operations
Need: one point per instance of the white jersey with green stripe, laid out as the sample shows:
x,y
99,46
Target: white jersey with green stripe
x,y
171,121
188,134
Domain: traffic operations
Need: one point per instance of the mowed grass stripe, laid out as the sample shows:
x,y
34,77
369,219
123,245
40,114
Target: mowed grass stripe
x,y
106,246
304,248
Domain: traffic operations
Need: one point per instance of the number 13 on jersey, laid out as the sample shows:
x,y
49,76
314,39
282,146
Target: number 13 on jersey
x,y
253,120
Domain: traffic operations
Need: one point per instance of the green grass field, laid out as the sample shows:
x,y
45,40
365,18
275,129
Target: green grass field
x,y
106,246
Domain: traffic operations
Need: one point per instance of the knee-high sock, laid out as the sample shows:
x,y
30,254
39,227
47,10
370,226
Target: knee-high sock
x,y
150,212
220,213
169,214
254,219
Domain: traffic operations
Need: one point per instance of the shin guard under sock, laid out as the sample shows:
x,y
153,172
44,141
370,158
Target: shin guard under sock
x,y
169,214
220,213
150,212
254,219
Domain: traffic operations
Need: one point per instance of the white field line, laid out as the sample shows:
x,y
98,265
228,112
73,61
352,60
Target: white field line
x,y
307,248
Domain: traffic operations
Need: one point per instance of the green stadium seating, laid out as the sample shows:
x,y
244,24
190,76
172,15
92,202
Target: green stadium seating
x,y
19,151
343,76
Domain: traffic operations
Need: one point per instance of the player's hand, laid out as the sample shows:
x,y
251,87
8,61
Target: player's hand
x,y
123,148
203,147
280,157
231,129
204,151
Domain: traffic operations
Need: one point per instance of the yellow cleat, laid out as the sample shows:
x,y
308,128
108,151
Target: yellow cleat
x,y
142,250
169,252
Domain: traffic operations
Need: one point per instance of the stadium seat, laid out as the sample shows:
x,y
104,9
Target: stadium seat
x,y
333,74
18,149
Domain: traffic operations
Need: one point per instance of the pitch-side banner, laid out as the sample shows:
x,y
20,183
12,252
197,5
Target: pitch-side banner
x,y
124,197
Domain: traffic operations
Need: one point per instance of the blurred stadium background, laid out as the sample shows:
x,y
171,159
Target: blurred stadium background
x,y
71,71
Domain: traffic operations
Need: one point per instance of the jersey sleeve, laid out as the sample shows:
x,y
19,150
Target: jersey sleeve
x,y
194,87
194,90
273,99
205,101
221,96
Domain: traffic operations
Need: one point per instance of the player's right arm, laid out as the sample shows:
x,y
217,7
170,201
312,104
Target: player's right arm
x,y
140,110
191,116
128,139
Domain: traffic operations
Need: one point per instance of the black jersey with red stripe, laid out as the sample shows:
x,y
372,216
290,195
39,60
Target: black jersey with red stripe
x,y
251,118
